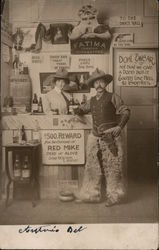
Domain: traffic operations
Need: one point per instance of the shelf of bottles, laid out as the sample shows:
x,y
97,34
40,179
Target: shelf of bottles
x,y
37,105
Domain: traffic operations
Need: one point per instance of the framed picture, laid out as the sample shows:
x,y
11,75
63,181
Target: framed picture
x,y
46,82
59,33
78,82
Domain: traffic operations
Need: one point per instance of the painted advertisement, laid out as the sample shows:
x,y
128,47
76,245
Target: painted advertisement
x,y
136,69
125,21
63,147
58,61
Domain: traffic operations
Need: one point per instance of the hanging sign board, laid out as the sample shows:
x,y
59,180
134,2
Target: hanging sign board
x,y
63,147
37,59
125,21
90,46
123,40
136,69
82,63
57,61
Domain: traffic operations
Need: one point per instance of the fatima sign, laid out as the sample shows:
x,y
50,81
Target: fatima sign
x,y
90,46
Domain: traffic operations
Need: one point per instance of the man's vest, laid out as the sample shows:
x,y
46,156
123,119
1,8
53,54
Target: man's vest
x,y
103,113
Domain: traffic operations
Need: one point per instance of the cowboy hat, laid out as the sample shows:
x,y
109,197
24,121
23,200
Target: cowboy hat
x,y
99,74
62,73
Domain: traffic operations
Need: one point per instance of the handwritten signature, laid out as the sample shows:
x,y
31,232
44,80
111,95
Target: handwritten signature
x,y
50,228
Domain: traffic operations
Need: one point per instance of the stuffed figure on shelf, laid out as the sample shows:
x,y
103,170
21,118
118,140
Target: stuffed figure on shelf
x,y
88,26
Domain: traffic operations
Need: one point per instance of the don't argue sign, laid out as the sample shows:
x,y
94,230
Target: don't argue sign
x,y
63,147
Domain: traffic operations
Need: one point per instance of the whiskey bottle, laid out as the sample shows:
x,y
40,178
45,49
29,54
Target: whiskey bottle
x,y
5,103
40,106
10,104
35,104
76,104
25,69
17,168
23,134
77,82
81,81
84,99
71,104
20,68
26,168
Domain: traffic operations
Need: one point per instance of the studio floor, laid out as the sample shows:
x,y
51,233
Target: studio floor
x,y
141,207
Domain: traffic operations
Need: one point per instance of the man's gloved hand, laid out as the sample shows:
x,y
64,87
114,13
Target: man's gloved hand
x,y
116,131
78,111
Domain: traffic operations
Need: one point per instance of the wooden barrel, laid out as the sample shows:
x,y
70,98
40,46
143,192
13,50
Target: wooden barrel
x,y
21,89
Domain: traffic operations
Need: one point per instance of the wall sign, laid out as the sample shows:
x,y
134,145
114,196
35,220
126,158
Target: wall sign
x,y
63,147
125,21
136,69
84,62
36,59
123,40
90,46
57,61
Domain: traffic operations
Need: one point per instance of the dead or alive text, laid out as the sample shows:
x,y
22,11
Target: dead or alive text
x,y
50,228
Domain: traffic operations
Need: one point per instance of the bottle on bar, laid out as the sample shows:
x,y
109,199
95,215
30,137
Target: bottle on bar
x,y
81,81
77,82
10,104
17,168
25,69
84,99
5,103
20,68
71,104
35,104
36,132
23,134
26,168
76,104
40,106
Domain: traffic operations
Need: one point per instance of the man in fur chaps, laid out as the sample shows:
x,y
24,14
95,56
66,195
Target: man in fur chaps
x,y
105,149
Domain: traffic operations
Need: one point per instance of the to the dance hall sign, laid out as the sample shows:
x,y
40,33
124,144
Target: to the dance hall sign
x,y
63,147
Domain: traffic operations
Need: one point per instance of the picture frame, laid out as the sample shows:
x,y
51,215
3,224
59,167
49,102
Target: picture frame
x,y
77,84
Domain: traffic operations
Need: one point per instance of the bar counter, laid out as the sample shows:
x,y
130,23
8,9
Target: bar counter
x,y
12,122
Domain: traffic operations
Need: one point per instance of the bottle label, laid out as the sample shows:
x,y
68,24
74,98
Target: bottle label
x,y
25,173
71,109
34,107
17,172
40,110
75,106
9,109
